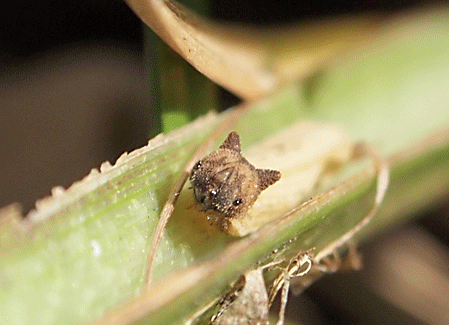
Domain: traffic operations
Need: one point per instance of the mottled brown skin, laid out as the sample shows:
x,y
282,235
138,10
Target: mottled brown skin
x,y
224,181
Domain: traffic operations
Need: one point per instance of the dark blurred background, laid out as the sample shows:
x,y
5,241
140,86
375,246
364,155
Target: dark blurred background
x,y
72,96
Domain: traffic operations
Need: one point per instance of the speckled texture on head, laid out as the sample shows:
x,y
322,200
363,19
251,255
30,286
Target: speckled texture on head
x,y
224,181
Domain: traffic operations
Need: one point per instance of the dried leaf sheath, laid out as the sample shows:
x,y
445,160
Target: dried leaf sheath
x,y
247,61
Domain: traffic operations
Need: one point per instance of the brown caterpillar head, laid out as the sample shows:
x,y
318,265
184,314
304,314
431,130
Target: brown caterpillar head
x,y
226,182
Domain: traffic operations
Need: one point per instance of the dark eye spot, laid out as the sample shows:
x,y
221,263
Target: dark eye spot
x,y
203,197
198,165
237,202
